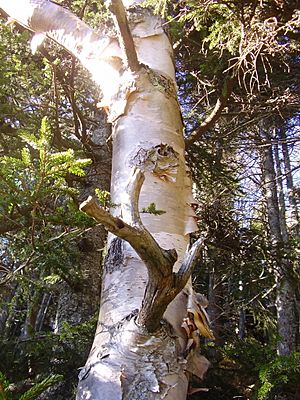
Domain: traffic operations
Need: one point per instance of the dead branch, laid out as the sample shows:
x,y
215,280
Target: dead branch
x,y
116,7
189,262
157,260
163,284
212,118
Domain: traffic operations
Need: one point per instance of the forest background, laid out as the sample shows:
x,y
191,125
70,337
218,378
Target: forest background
x,y
237,69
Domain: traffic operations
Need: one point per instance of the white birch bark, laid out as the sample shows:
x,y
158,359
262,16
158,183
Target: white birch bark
x,y
126,361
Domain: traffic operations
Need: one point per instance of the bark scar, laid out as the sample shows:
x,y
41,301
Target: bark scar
x,y
162,160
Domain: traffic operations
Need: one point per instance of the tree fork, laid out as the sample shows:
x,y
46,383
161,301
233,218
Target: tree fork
x,y
163,284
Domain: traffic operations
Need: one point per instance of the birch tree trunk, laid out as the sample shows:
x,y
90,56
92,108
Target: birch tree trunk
x,y
285,291
146,342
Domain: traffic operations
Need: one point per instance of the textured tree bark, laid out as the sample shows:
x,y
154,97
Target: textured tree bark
x,y
285,293
281,198
135,354
289,182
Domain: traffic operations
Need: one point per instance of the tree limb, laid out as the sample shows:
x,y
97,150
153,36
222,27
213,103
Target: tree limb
x,y
60,25
189,262
116,7
213,116
156,259
163,284
160,292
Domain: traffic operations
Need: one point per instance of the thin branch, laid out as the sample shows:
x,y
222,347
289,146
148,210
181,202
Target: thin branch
x,y
116,7
80,128
212,118
10,275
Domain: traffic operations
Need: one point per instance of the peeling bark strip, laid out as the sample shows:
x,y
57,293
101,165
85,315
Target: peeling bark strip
x,y
133,358
147,367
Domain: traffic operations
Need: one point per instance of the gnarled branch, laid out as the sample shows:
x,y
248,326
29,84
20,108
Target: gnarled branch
x,y
163,284
155,258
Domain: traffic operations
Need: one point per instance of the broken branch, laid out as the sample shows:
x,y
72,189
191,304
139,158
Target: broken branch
x,y
118,11
188,263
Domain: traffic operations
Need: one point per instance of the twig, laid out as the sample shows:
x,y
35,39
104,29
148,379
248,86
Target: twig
x,y
21,267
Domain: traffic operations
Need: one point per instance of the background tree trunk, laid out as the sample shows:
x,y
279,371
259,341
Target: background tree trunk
x,y
289,181
285,292
79,304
